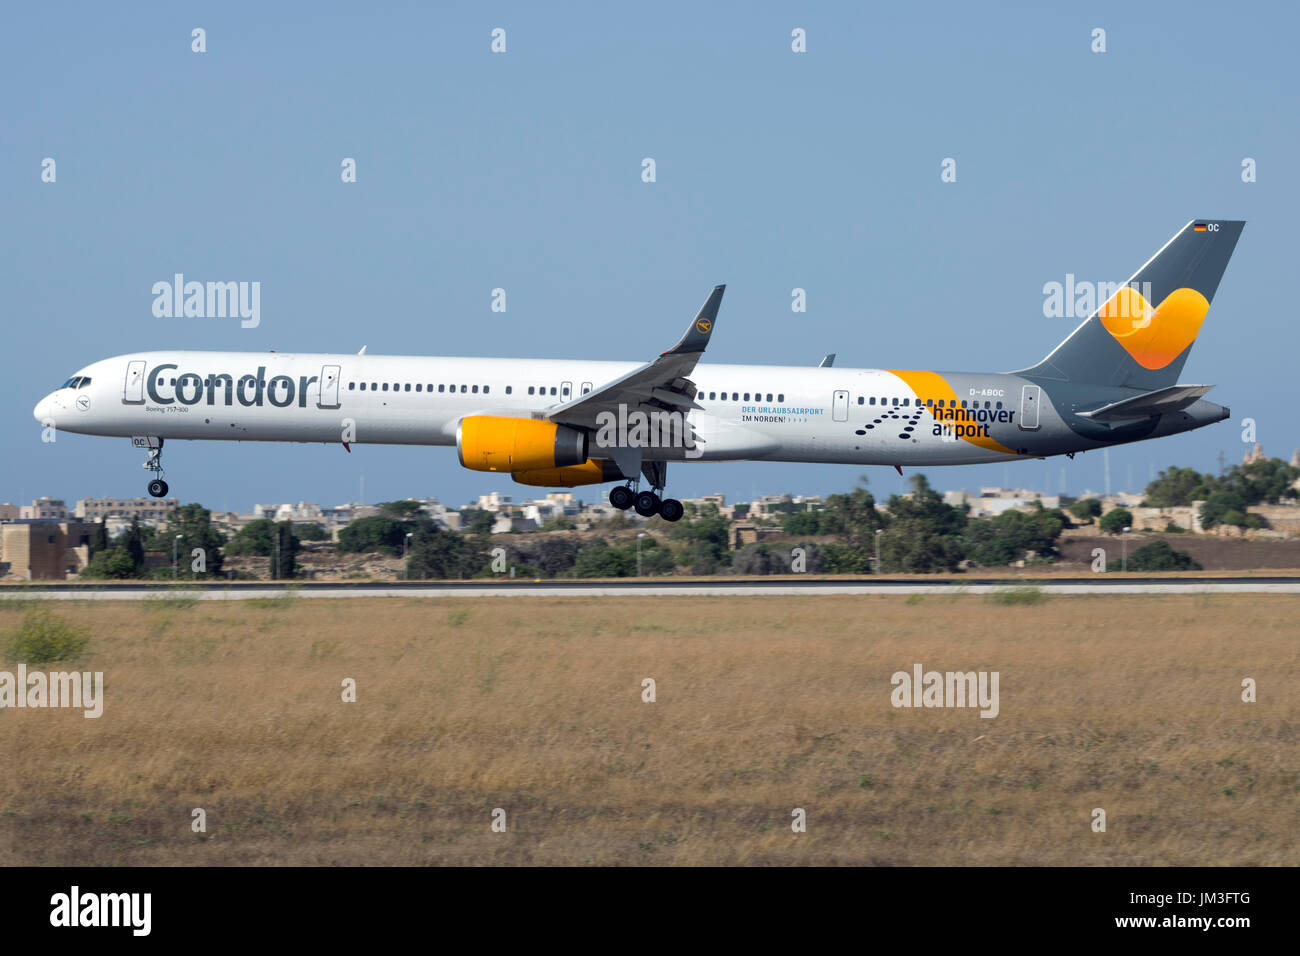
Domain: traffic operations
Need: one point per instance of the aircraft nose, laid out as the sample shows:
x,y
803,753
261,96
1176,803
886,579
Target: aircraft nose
x,y
44,409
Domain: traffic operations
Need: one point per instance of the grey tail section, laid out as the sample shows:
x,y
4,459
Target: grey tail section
x,y
1195,258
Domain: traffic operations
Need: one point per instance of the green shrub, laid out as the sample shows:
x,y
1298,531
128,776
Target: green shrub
x,y
1019,595
43,637
1159,556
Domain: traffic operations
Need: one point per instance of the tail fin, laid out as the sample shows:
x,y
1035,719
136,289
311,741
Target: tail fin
x,y
1142,334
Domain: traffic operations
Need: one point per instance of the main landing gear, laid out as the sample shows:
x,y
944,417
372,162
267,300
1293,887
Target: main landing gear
x,y
157,487
647,503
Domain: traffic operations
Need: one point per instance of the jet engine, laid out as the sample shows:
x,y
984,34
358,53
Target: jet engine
x,y
593,471
493,443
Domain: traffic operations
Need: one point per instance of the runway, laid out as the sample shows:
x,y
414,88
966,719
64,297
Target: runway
x,y
659,587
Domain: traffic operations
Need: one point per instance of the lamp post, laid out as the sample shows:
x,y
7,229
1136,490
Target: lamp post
x,y
406,569
638,553
174,540
879,532
1124,539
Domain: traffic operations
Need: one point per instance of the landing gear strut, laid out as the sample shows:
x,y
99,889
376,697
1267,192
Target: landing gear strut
x,y
157,487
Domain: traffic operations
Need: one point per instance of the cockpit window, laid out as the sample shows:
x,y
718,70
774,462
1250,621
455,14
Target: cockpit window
x,y
77,381
85,380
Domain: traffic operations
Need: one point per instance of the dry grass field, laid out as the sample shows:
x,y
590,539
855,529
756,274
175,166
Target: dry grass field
x,y
763,705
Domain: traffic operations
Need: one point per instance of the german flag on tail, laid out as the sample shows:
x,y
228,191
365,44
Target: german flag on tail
x,y
1198,227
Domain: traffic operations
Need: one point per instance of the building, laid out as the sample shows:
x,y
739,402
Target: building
x,y
152,511
44,509
34,550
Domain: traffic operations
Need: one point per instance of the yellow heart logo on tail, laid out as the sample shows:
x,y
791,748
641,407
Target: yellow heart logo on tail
x,y
1154,337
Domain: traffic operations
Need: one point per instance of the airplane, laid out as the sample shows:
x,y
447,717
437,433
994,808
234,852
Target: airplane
x,y
556,423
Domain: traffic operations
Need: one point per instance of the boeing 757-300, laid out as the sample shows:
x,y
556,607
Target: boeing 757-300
x,y
556,423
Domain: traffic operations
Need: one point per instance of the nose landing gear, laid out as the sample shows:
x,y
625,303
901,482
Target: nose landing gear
x,y
157,487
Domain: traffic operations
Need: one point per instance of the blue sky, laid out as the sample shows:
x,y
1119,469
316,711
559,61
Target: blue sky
x,y
522,170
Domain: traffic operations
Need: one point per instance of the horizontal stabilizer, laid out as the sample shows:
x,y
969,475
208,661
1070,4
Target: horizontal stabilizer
x,y
1171,399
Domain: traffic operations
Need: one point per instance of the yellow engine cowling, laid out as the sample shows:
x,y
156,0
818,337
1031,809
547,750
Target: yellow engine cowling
x,y
492,443
593,471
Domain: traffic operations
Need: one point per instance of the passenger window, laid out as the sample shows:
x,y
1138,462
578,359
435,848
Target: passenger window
x,y
442,387
530,389
374,386
508,389
463,389
474,390
385,386
781,398
999,404
363,386
418,386
747,396
735,396
408,387
351,386
769,396
552,389
895,401
485,389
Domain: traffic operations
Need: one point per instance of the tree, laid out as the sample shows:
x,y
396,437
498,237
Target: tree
x,y
802,522
551,555
1007,537
924,534
193,523
1266,480
284,551
752,559
655,558
99,538
134,545
1228,507
599,560
1178,487
1086,509
1115,521
437,553
253,538
375,533
109,564
1160,556
407,510
310,531
855,518
476,521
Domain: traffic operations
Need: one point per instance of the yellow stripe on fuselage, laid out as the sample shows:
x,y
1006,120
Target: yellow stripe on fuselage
x,y
930,387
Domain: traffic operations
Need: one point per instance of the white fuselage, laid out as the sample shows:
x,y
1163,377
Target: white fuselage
x,y
772,413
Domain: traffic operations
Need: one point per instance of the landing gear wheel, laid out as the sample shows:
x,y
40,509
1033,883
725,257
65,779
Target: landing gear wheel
x,y
671,509
158,488
621,498
647,504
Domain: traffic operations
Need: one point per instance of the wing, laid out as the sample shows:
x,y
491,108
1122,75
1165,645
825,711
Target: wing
x,y
661,385
1162,400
